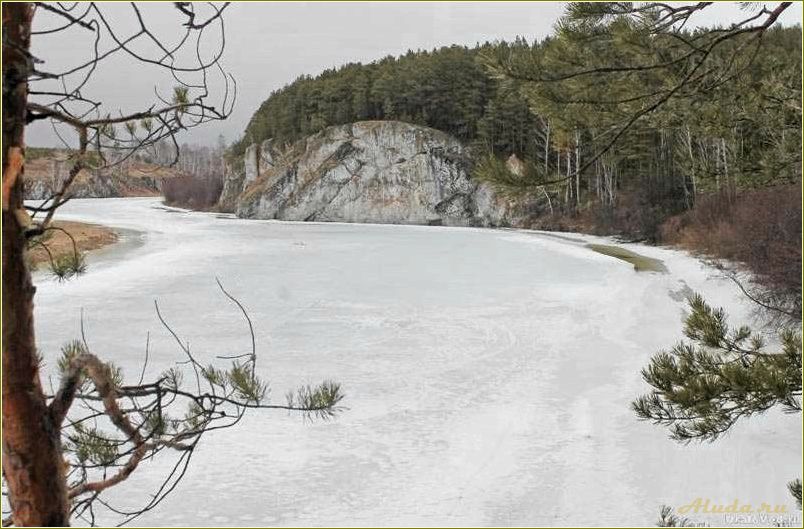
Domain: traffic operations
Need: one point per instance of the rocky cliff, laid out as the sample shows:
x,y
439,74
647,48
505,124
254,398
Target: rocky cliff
x,y
45,173
371,171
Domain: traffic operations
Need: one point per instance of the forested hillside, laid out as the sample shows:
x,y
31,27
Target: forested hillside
x,y
742,131
448,89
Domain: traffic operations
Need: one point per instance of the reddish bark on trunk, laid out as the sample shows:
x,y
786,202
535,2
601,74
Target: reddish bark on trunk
x,y
32,459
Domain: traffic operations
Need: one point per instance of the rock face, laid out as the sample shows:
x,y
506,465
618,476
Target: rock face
x,y
371,171
44,176
258,158
233,184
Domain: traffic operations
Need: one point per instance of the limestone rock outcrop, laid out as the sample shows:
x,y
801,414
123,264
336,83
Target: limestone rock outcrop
x,y
371,171
45,175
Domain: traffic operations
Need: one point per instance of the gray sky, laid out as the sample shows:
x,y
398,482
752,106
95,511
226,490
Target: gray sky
x,y
270,44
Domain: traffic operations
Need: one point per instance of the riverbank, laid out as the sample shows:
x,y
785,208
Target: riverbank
x,y
87,237
755,232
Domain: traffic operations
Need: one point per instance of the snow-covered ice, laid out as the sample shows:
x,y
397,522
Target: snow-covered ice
x,y
488,373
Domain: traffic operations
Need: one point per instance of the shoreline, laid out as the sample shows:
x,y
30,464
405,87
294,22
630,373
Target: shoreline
x,y
88,237
93,236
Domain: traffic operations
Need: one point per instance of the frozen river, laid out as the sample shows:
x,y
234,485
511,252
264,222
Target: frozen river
x,y
488,374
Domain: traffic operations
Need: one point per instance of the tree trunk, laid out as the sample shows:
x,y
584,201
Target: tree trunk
x,y
547,147
577,167
693,167
32,459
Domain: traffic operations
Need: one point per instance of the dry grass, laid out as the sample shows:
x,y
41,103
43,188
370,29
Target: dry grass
x,y
641,263
87,237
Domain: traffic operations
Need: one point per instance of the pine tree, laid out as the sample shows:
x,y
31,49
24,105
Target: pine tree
x,y
702,387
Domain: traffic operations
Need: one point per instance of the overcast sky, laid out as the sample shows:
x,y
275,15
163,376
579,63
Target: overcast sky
x,y
270,44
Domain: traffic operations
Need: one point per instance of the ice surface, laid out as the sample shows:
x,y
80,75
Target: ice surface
x,y
488,373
